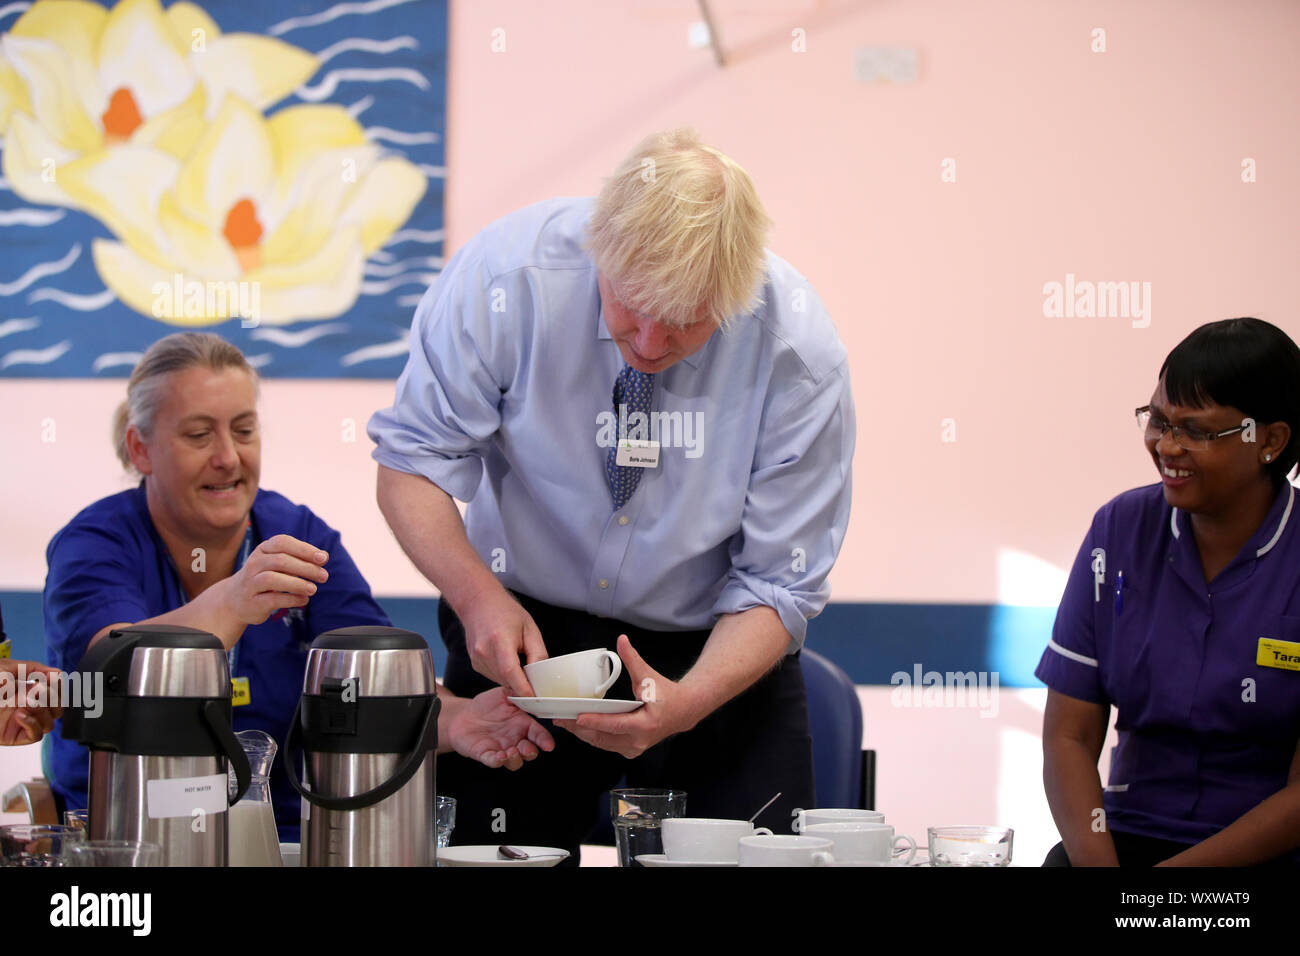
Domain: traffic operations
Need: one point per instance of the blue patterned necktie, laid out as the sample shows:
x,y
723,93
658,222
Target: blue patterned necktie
x,y
633,389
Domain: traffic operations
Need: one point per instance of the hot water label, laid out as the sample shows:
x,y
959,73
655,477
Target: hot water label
x,y
181,796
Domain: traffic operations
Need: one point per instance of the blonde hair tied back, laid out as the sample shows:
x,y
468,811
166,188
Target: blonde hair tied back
x,y
148,381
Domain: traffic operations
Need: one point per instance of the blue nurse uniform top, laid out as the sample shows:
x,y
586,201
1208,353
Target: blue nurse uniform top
x,y
109,565
1205,732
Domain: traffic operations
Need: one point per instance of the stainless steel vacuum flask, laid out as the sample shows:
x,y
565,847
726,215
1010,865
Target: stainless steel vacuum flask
x,y
367,726
160,741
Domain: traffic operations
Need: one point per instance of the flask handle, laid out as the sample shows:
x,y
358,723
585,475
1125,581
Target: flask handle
x,y
214,712
410,763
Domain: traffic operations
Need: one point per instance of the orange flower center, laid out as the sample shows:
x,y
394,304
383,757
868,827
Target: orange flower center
x,y
243,232
122,117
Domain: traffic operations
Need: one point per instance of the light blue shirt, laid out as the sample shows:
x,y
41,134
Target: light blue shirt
x,y
506,403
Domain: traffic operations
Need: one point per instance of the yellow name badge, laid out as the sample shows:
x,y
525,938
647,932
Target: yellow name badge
x,y
1281,654
240,695
5,647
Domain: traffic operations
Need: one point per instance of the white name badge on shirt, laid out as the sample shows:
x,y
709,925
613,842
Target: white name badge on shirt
x,y
637,453
181,796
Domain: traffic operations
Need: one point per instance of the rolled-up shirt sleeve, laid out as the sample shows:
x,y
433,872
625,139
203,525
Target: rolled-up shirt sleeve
x,y
448,401
797,506
1070,664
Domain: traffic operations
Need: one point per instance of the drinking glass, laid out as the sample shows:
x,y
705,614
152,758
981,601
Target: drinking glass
x,y
115,853
77,819
636,814
30,844
970,846
446,820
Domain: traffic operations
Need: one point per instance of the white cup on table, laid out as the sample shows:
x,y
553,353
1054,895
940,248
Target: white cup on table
x,y
704,840
583,674
785,850
868,842
808,818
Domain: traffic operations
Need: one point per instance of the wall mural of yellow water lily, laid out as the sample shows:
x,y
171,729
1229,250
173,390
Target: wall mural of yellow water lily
x,y
271,171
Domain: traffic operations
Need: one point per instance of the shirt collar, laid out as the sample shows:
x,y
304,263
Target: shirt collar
x,y
1266,535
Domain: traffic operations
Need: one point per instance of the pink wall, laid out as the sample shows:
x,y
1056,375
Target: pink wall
x,y
1122,165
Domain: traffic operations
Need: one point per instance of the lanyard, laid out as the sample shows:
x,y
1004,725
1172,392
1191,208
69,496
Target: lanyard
x,y
233,654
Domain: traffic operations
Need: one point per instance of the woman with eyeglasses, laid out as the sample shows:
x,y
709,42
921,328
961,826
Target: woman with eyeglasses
x,y
1182,612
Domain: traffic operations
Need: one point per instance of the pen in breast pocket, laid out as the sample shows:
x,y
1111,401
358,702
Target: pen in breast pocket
x,y
1119,593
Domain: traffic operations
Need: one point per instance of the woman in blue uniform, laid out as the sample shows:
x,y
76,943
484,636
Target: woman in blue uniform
x,y
1183,612
198,543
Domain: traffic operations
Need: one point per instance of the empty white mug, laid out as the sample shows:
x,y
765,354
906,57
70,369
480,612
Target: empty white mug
x,y
583,674
858,840
785,850
809,817
702,840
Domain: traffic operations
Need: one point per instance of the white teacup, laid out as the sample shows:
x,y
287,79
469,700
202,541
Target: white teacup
x,y
809,818
701,840
855,840
785,850
584,674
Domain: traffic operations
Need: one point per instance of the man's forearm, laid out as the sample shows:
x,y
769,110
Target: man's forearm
x,y
428,526
1074,795
741,649
1269,830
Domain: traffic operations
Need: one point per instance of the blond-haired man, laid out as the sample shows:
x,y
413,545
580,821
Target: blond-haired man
x,y
650,417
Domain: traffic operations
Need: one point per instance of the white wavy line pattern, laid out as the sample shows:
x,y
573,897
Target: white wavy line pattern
x,y
415,235
381,256
371,352
325,89
400,137
11,326
293,340
259,361
406,301
366,46
36,356
79,303
360,106
14,8
111,359
420,262
333,13
388,285
41,270
433,172
30,217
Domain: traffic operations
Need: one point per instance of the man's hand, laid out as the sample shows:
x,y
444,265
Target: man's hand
x,y
496,733
282,572
21,723
497,630
668,710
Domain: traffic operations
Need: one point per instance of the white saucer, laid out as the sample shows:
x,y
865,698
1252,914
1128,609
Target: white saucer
x,y
661,859
569,707
487,856
879,863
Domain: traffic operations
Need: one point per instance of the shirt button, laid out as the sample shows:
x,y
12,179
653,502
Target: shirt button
x,y
604,583
622,519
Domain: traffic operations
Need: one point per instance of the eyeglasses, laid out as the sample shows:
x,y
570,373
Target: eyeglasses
x,y
1187,436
